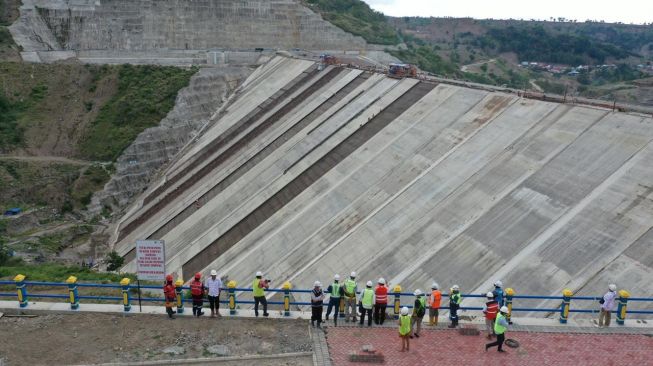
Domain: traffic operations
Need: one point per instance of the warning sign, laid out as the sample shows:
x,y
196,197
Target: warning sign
x,y
151,260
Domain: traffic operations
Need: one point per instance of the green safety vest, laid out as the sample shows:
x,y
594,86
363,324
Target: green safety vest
x,y
258,291
368,298
422,303
350,286
498,328
404,328
335,290
456,298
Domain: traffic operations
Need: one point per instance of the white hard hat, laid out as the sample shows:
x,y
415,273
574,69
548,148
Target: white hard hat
x,y
382,281
504,309
214,272
455,287
369,283
259,274
490,295
317,284
435,286
498,284
336,277
612,287
404,311
418,292
353,275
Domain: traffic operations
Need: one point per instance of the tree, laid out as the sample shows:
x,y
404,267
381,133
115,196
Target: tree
x,y
114,261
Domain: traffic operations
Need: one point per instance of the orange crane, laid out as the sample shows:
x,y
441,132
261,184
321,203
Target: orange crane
x,y
400,71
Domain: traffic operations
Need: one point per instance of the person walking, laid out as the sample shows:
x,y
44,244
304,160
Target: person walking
x,y
259,285
434,304
381,302
197,290
214,284
350,289
419,309
336,291
366,304
500,326
404,329
498,293
170,294
607,305
454,304
490,309
317,304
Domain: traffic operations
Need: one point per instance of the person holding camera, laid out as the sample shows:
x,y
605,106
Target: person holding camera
x,y
259,285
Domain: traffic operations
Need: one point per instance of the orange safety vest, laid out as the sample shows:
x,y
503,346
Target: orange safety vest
x,y
436,297
169,292
196,288
381,294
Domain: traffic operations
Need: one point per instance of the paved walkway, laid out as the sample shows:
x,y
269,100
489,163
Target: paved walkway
x,y
448,347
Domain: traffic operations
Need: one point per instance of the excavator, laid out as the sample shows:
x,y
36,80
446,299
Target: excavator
x,y
401,71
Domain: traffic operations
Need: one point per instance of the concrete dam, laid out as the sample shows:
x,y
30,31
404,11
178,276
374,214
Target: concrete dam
x,y
305,173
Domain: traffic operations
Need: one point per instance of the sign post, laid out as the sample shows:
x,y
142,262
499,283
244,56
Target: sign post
x,y
150,263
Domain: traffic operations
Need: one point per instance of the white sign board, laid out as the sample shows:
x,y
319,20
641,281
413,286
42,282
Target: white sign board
x,y
151,260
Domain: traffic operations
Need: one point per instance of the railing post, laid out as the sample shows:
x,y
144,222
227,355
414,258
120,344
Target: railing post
x,y
231,288
397,306
21,290
622,307
180,296
286,298
125,293
72,292
564,309
509,294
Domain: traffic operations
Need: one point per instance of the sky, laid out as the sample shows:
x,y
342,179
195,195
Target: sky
x,y
625,11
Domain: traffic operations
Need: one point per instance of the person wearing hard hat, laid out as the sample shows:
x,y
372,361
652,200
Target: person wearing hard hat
x,y
170,294
197,290
404,329
259,285
434,304
490,309
419,309
455,298
317,304
214,284
381,301
607,305
350,288
366,304
500,326
498,293
336,291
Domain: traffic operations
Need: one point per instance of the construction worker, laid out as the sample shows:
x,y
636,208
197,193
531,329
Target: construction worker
x,y
350,289
317,304
336,291
500,325
214,285
381,302
366,304
434,304
498,293
419,309
259,285
490,309
607,305
197,290
454,304
170,295
404,329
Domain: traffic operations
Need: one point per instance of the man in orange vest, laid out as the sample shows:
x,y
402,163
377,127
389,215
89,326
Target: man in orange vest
x,y
434,304
197,289
381,301
170,295
490,309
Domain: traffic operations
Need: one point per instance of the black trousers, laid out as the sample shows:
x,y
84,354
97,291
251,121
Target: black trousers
x,y
316,314
369,317
453,314
260,300
333,302
214,303
379,313
498,342
198,302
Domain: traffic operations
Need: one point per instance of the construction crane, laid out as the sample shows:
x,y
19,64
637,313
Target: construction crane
x,y
400,71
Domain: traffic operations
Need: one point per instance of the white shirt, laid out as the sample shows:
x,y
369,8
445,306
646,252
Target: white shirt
x,y
214,286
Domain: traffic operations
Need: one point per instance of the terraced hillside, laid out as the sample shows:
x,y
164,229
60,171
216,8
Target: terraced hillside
x,y
309,173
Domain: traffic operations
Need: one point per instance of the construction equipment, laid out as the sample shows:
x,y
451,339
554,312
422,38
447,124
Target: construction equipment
x,y
400,71
326,60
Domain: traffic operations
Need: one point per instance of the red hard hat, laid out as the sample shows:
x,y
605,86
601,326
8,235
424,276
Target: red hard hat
x,y
198,276
169,278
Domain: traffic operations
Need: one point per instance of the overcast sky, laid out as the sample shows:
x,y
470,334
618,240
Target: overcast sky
x,y
626,11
